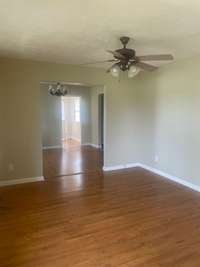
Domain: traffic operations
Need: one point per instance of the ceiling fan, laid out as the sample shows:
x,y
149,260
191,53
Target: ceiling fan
x,y
125,59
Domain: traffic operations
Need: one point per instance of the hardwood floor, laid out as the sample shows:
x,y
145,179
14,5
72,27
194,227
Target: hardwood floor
x,y
128,218
72,159
70,143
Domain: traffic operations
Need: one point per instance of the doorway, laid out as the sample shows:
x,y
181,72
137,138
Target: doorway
x,y
71,121
72,131
101,120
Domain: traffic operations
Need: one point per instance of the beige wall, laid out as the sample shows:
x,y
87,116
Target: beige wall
x,y
169,108
21,123
95,91
51,118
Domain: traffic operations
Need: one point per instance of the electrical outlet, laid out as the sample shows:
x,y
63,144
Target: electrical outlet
x,y
11,167
156,159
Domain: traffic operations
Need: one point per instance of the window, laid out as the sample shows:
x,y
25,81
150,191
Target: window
x,y
77,110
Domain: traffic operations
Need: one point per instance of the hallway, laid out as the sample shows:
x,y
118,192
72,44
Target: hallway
x,y
71,159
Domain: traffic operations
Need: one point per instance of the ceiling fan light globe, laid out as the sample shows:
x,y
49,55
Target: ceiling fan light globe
x,y
133,71
115,70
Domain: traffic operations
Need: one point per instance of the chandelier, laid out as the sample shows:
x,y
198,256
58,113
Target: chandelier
x,y
57,90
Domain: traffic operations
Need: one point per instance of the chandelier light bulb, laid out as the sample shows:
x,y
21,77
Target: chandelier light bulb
x,y
58,90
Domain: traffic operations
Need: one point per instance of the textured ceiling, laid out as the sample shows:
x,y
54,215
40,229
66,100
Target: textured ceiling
x,y
78,31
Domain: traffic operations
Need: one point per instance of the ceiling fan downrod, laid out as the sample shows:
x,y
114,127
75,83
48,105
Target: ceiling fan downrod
x,y
124,40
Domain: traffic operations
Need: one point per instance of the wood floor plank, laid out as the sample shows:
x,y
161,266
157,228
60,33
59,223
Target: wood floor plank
x,y
127,218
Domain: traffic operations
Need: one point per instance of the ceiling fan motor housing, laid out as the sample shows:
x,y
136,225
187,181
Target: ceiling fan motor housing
x,y
128,55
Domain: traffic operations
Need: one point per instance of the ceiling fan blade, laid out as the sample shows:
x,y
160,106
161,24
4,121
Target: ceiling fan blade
x,y
156,57
96,62
146,66
116,54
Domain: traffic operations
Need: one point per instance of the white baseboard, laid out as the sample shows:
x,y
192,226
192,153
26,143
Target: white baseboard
x,y
95,146
156,171
21,181
113,168
50,147
170,177
90,144
131,165
119,167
